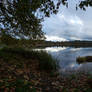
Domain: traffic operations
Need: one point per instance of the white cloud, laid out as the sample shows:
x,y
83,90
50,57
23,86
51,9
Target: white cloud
x,y
76,21
69,24
54,38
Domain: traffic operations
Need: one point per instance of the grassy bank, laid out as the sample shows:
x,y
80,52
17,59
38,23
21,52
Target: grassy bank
x,y
45,60
32,71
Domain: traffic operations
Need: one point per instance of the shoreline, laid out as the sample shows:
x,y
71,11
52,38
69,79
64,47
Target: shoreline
x,y
21,74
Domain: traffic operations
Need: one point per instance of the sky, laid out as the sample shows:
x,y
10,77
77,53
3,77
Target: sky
x,y
69,24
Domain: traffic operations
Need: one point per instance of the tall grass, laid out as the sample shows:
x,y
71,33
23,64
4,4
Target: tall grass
x,y
45,60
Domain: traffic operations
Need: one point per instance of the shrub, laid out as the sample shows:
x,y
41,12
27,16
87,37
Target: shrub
x,y
46,61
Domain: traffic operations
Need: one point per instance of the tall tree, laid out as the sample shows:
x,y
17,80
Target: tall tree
x,y
23,17
20,17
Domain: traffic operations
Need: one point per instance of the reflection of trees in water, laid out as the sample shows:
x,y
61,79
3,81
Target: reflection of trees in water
x,y
23,17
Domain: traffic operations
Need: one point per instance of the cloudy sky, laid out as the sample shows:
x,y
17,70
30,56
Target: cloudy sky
x,y
69,24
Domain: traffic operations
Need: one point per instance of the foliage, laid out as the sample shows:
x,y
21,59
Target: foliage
x,y
19,85
14,78
22,21
45,60
85,3
7,39
23,17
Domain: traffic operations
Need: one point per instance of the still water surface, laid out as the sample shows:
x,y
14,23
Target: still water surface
x,y
67,58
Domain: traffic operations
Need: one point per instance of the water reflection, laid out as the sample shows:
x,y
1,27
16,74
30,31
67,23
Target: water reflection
x,y
52,49
67,58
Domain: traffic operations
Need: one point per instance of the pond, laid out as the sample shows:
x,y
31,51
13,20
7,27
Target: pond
x,y
67,59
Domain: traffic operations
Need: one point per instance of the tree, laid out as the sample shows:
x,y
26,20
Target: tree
x,y
19,17
23,17
85,3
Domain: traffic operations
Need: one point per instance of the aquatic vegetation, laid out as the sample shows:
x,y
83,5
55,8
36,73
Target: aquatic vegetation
x,y
46,61
84,59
